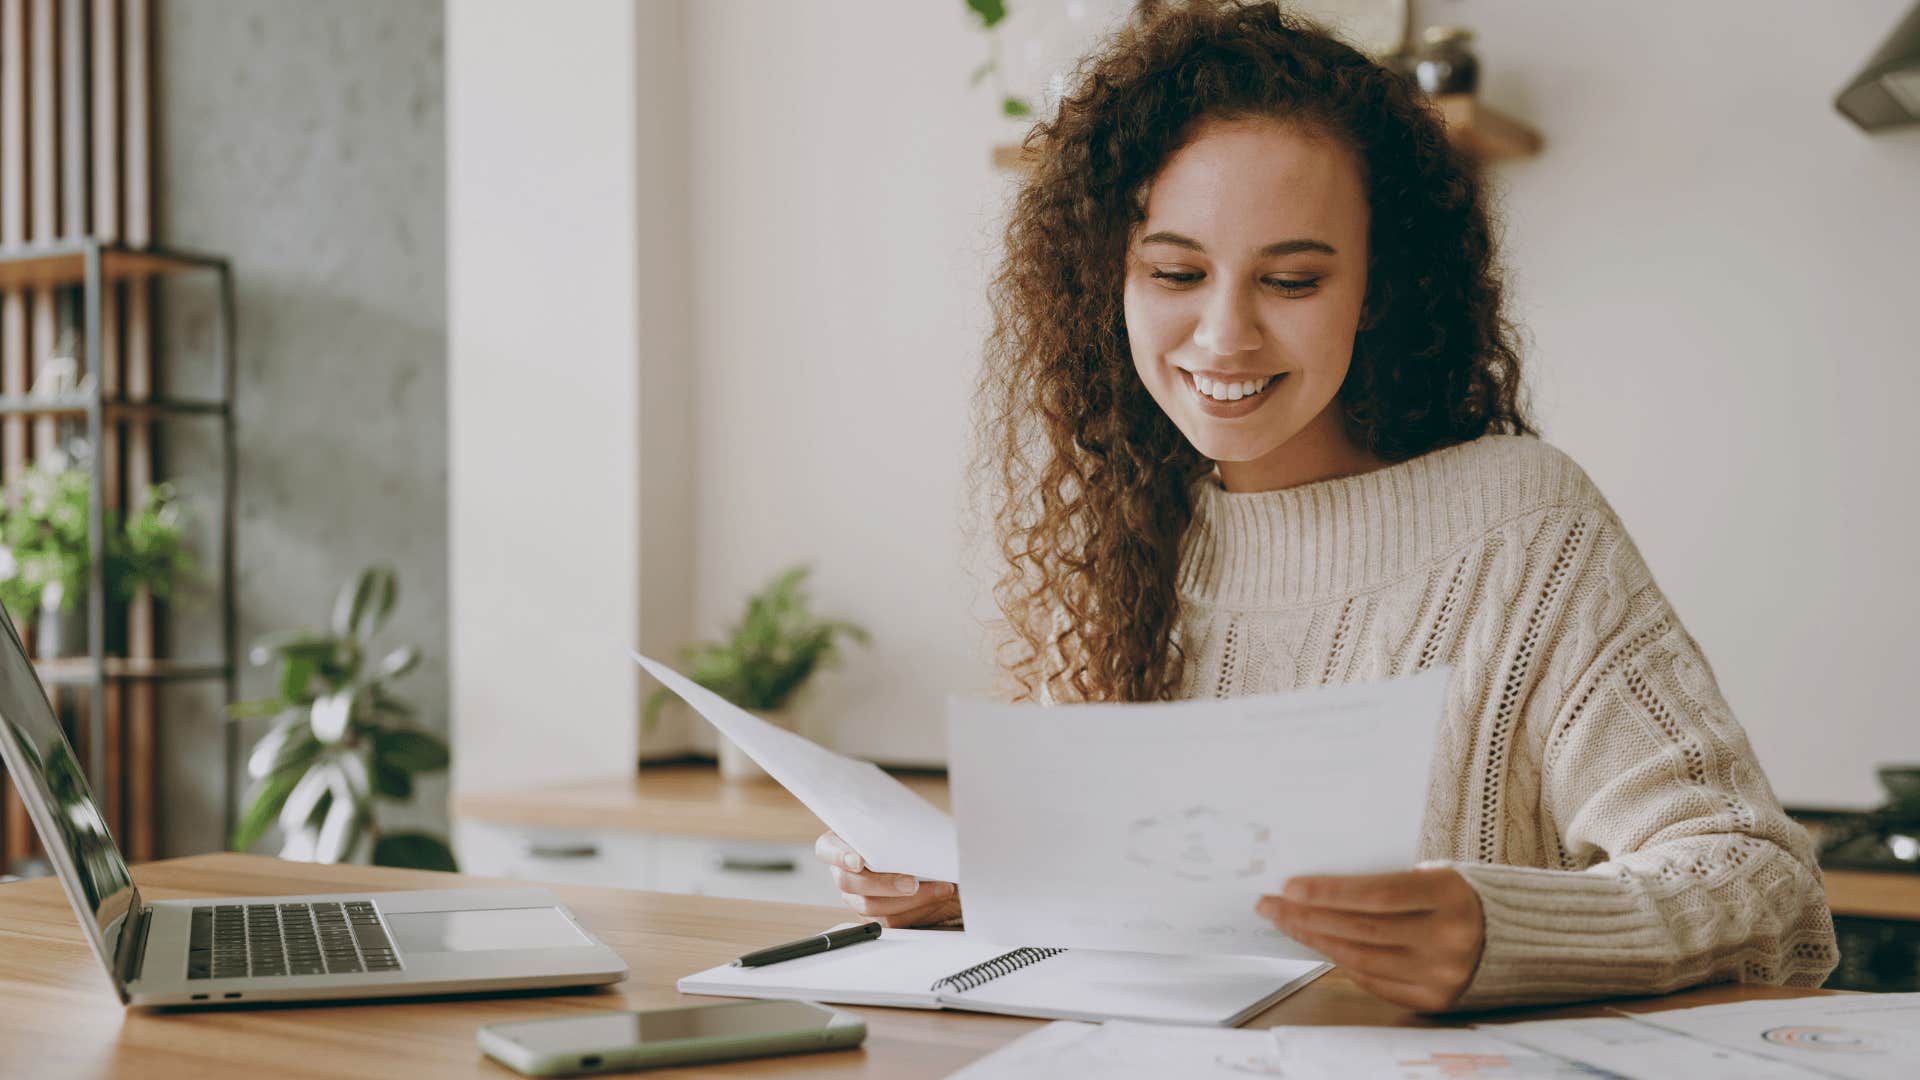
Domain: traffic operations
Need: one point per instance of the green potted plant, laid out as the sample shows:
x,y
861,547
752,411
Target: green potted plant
x,y
340,740
764,660
45,558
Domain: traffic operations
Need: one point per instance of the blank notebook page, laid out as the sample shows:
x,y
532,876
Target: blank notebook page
x,y
1151,986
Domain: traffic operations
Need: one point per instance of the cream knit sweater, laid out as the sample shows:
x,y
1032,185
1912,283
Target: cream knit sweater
x,y
1589,781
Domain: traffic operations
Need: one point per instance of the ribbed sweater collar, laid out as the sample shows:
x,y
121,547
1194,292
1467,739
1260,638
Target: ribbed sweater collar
x,y
1343,536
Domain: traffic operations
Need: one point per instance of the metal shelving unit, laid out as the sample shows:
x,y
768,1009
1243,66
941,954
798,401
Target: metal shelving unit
x,y
93,265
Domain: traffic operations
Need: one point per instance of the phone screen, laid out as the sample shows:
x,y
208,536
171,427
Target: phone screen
x,y
612,1030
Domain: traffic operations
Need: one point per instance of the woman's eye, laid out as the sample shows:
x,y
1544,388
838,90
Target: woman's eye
x,y
1289,287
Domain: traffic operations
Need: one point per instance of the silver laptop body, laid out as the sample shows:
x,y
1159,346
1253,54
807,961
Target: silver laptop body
x,y
237,950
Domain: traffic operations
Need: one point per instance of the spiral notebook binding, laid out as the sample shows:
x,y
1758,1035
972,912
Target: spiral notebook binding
x,y
985,972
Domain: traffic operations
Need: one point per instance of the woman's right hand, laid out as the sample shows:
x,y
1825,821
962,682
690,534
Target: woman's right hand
x,y
896,900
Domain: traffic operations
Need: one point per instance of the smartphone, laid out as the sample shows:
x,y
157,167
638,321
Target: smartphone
x,y
613,1042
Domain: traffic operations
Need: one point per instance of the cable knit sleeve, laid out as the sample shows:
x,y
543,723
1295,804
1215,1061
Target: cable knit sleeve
x,y
1678,865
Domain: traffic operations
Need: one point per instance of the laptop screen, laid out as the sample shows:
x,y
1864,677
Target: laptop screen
x,y
54,789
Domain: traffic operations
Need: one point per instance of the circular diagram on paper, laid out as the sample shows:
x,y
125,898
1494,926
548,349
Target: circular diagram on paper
x,y
1199,843
1827,1039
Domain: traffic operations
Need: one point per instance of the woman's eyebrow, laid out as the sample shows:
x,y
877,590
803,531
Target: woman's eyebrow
x,y
1281,247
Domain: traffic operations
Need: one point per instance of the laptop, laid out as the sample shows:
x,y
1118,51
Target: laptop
x,y
238,950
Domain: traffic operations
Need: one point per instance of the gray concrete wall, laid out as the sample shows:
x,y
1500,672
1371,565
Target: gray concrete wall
x,y
306,142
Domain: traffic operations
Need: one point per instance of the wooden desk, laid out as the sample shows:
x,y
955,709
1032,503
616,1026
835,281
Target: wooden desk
x,y
58,1012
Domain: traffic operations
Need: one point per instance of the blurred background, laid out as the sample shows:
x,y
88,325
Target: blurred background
x,y
445,351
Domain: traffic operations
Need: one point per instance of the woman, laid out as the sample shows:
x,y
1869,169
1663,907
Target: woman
x,y
1255,413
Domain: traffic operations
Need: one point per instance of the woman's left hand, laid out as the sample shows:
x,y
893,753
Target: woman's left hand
x,y
1413,938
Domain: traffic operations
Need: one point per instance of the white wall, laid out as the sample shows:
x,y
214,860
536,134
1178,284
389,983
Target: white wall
x,y
565,183
1717,271
843,214
1719,275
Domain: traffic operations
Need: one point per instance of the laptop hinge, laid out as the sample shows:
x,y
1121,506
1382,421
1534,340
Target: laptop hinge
x,y
135,948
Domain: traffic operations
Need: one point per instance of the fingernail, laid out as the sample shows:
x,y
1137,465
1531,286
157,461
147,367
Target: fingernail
x,y
1294,891
907,884
850,861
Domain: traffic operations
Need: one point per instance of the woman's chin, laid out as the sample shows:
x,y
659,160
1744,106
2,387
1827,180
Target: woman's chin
x,y
1232,446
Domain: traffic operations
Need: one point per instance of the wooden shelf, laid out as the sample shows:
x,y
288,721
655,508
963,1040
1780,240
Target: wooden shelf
x,y
53,265
78,670
77,404
1486,132
1480,129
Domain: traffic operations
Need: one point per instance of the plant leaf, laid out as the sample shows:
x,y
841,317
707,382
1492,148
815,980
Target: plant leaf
x,y
290,745
1013,106
409,751
416,850
990,11
341,829
980,72
257,708
305,796
268,797
390,782
295,679
399,662
362,608
330,716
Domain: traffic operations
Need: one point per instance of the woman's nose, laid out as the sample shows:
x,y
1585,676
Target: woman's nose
x,y
1227,325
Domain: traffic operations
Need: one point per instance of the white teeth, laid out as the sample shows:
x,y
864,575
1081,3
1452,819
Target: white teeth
x,y
1223,391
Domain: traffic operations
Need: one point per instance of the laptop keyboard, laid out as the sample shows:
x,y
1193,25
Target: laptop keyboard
x,y
234,941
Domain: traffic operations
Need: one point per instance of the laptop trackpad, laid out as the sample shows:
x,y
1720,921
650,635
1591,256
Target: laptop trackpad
x,y
473,931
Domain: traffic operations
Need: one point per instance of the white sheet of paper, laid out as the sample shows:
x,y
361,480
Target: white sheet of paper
x,y
1629,1048
1157,827
893,829
1120,1050
1855,1036
1384,1053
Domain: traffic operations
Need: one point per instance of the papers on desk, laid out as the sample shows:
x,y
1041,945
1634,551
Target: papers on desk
x,y
1157,827
891,827
1855,1037
1122,1051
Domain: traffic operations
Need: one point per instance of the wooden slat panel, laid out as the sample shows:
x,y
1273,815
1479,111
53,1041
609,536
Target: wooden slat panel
x,y
106,120
73,118
43,26
137,190
13,224
44,104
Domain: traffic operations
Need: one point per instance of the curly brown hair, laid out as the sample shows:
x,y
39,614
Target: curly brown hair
x,y
1093,480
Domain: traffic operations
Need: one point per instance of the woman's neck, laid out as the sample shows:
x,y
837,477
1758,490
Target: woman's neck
x,y
1323,450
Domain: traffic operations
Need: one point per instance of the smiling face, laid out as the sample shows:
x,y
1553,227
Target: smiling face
x,y
1244,289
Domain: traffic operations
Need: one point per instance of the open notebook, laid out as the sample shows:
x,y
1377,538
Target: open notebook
x,y
944,969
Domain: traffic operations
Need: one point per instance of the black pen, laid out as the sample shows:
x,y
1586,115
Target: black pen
x,y
832,939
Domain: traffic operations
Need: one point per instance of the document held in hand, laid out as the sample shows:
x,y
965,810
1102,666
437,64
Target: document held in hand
x,y
893,829
1158,826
